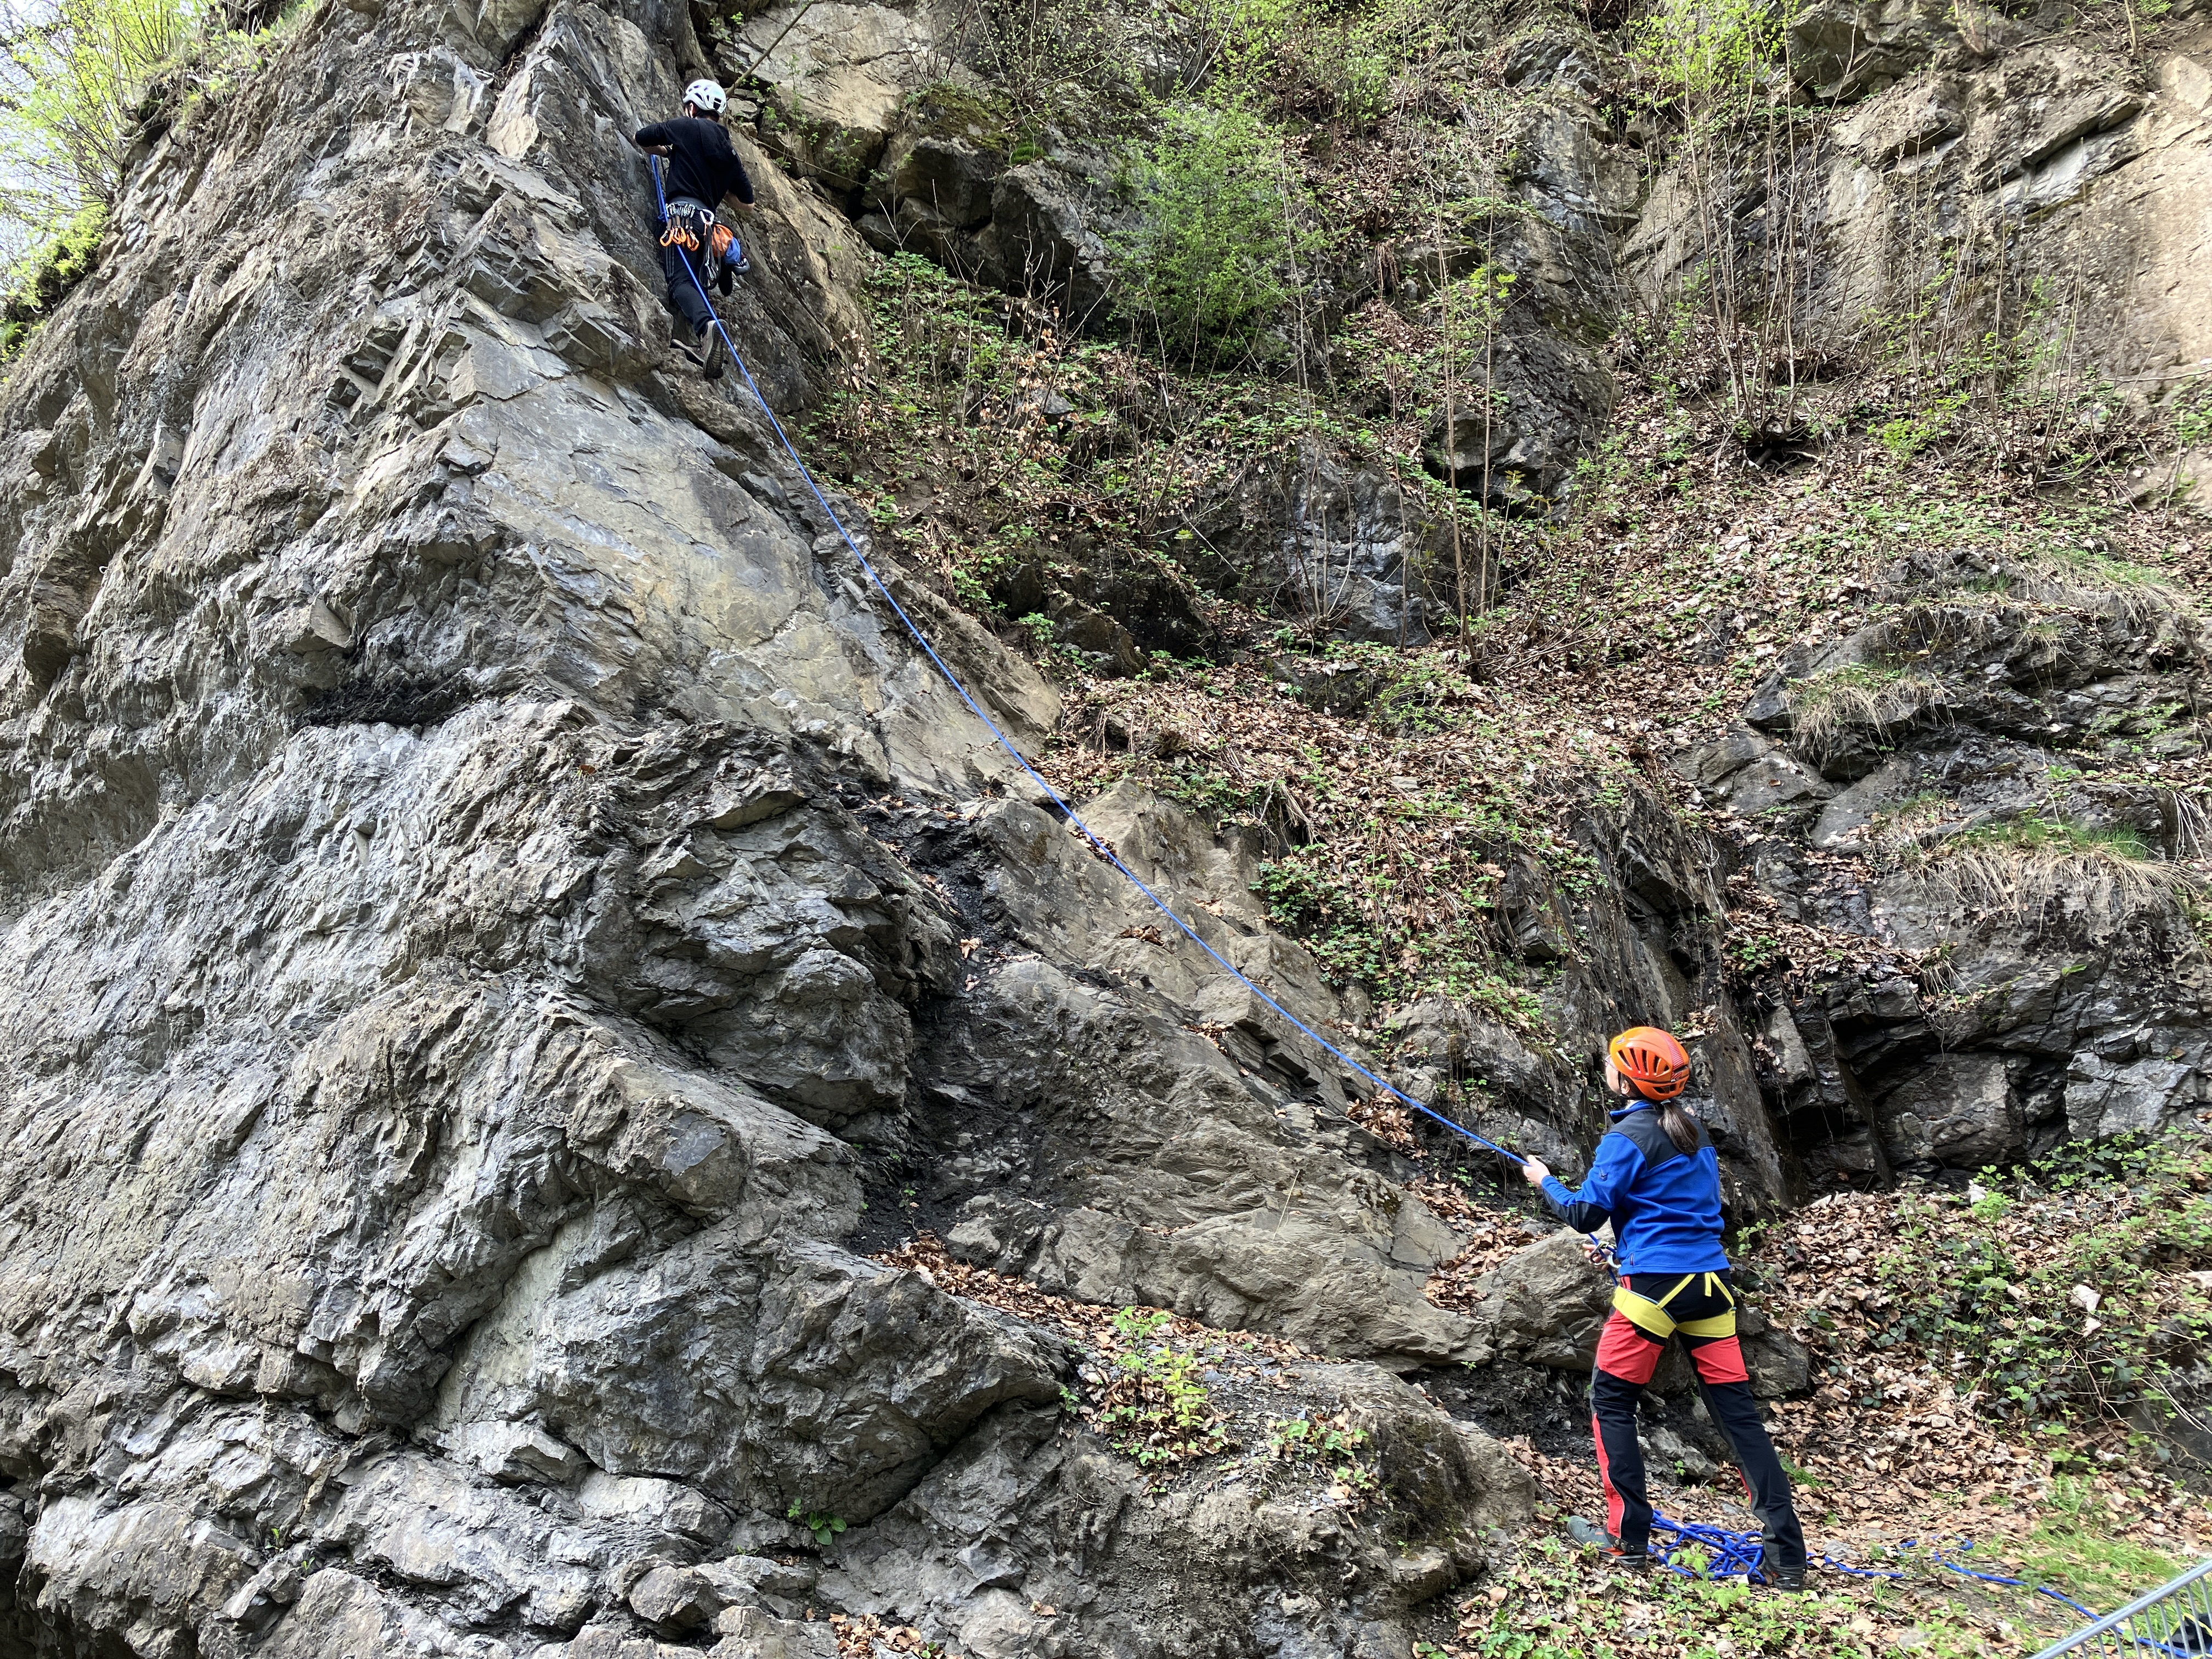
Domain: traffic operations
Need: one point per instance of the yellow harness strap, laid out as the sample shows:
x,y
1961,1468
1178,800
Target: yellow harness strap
x,y
1646,1314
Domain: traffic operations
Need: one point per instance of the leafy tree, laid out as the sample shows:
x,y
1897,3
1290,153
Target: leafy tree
x,y
1221,223
72,77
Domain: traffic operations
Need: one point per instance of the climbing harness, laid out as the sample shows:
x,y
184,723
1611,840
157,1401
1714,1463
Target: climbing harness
x,y
1646,1314
1098,843
696,229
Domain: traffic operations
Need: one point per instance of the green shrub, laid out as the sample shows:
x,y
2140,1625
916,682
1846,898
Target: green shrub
x,y
1222,221
85,78
1700,50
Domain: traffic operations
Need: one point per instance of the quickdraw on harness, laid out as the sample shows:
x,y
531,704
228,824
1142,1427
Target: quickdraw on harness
x,y
1646,1314
696,230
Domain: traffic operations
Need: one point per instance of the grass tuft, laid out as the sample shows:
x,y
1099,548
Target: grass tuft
x,y
2036,870
1828,708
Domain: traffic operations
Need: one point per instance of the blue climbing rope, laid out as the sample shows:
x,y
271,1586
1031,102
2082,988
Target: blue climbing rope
x,y
1098,843
1743,1555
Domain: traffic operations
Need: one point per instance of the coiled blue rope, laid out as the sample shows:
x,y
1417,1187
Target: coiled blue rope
x,y
1743,1555
1097,842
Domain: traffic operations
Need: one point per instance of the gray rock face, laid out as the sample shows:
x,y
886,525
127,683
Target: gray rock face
x,y
2090,161
490,895
1346,551
1519,451
502,923
947,187
2071,994
838,75
1845,48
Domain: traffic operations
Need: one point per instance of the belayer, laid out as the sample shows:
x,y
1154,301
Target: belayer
x,y
697,250
1657,1180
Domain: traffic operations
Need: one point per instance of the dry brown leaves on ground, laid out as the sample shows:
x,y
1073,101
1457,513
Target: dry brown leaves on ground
x,y
1088,1322
1494,1238
1885,1429
1146,1415
1388,1122
1450,1203
1760,937
867,1636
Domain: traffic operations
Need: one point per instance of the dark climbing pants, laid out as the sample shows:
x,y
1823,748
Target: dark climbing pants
x,y
688,297
1699,1309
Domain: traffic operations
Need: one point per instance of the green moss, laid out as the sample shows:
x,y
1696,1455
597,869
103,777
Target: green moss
x,y
945,109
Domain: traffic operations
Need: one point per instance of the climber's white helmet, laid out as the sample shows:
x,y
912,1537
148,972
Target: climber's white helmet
x,y
707,95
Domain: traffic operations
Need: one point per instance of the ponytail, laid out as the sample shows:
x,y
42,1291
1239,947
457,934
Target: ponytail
x,y
1680,1127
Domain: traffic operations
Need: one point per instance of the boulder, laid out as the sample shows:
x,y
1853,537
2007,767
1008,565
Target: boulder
x,y
1545,1304
1905,121
1342,550
1959,1110
674,1601
837,77
1043,238
1843,49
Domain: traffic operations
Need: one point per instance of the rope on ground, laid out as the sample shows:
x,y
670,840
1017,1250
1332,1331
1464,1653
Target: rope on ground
x,y
1099,845
1743,1555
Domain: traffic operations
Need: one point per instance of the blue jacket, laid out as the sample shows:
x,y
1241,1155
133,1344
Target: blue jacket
x,y
1664,1203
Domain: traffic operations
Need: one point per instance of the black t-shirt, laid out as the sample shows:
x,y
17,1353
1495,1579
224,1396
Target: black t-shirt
x,y
704,168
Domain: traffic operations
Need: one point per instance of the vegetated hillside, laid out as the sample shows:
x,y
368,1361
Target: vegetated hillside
x,y
562,1098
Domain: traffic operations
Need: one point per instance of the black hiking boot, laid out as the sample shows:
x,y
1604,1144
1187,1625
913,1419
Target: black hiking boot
x,y
1610,1549
1788,1579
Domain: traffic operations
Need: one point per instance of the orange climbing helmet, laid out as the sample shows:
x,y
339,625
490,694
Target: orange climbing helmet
x,y
1652,1060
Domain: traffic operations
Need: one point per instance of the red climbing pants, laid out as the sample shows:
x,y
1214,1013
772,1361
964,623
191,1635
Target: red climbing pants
x,y
1699,1309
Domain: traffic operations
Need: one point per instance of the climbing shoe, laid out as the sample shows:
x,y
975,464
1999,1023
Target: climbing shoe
x,y
710,352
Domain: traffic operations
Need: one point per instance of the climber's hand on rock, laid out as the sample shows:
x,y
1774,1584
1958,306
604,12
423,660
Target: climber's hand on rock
x,y
1535,1172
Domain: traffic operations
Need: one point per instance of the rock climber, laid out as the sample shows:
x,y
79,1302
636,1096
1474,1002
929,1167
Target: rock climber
x,y
704,171
1657,1178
